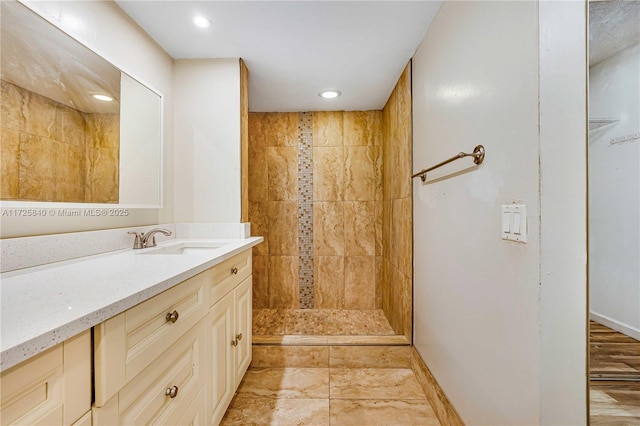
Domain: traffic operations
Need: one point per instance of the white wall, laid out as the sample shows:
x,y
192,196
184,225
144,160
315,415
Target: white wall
x,y
207,138
614,186
103,27
477,298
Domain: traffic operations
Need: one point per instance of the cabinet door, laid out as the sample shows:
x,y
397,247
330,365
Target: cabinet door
x,y
220,335
243,329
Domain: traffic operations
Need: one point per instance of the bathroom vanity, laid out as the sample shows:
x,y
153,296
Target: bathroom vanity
x,y
159,335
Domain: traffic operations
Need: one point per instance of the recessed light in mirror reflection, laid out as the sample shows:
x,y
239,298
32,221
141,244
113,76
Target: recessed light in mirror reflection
x,y
103,98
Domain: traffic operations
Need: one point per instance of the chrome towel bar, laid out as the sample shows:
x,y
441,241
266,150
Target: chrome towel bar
x,y
478,158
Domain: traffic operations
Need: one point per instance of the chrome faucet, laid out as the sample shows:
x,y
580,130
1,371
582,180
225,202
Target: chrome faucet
x,y
147,239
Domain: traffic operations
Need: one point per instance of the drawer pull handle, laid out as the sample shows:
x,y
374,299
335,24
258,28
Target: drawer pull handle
x,y
171,392
234,343
239,336
234,270
172,317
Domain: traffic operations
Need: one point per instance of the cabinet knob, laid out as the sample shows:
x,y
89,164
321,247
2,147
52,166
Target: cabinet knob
x,y
234,270
171,392
239,336
234,343
172,316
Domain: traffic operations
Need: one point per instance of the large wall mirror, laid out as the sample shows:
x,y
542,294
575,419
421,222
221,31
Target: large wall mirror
x,y
75,129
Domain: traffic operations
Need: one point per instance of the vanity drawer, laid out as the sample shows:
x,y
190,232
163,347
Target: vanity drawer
x,y
228,274
148,399
127,343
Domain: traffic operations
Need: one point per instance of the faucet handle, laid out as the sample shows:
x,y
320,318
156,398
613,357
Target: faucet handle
x,y
137,242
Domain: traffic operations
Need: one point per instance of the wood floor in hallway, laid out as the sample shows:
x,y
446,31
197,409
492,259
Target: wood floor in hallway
x,y
613,354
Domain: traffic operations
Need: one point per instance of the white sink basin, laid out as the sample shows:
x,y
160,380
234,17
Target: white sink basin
x,y
185,248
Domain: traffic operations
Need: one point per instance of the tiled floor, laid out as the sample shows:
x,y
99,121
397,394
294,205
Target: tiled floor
x,y
613,354
330,396
329,322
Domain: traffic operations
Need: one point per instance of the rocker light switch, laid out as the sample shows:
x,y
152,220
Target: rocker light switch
x,y
514,222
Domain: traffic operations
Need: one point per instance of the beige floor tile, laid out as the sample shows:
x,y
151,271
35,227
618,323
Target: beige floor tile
x,y
375,383
306,383
271,411
290,356
370,357
382,412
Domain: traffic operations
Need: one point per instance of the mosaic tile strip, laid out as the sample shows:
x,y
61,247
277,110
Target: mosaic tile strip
x,y
305,208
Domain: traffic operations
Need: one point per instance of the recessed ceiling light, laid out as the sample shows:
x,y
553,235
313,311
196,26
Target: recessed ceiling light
x,y
329,94
104,98
201,21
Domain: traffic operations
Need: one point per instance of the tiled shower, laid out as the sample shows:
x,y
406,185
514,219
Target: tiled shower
x,y
331,194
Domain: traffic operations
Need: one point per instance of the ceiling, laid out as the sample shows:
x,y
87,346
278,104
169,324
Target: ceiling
x,y
295,49
613,26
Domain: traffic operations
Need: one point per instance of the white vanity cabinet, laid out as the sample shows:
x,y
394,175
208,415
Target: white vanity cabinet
x,y
52,388
178,357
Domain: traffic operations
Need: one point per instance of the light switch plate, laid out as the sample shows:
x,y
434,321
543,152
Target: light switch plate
x,y
514,222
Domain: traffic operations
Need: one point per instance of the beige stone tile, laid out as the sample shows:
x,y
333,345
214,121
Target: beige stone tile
x,y
70,173
268,322
12,101
281,411
328,228
368,340
10,157
359,173
379,222
37,168
405,246
290,356
359,282
379,173
258,174
283,282
71,127
370,357
375,383
102,175
396,231
256,135
259,218
283,228
327,128
306,322
283,173
382,412
260,282
379,282
362,128
289,340
39,115
329,282
282,129
386,229
359,228
307,383
406,307
102,130
328,173
445,412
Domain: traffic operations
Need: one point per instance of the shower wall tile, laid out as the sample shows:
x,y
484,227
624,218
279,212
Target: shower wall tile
x,y
260,282
9,155
359,281
379,181
379,282
11,115
39,115
282,164
281,129
379,220
359,228
329,232
328,173
71,124
362,128
37,168
328,128
70,173
283,282
258,173
329,282
359,173
102,130
406,237
102,173
283,228
259,216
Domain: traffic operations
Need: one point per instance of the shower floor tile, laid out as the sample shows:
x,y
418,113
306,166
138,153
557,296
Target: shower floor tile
x,y
320,322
